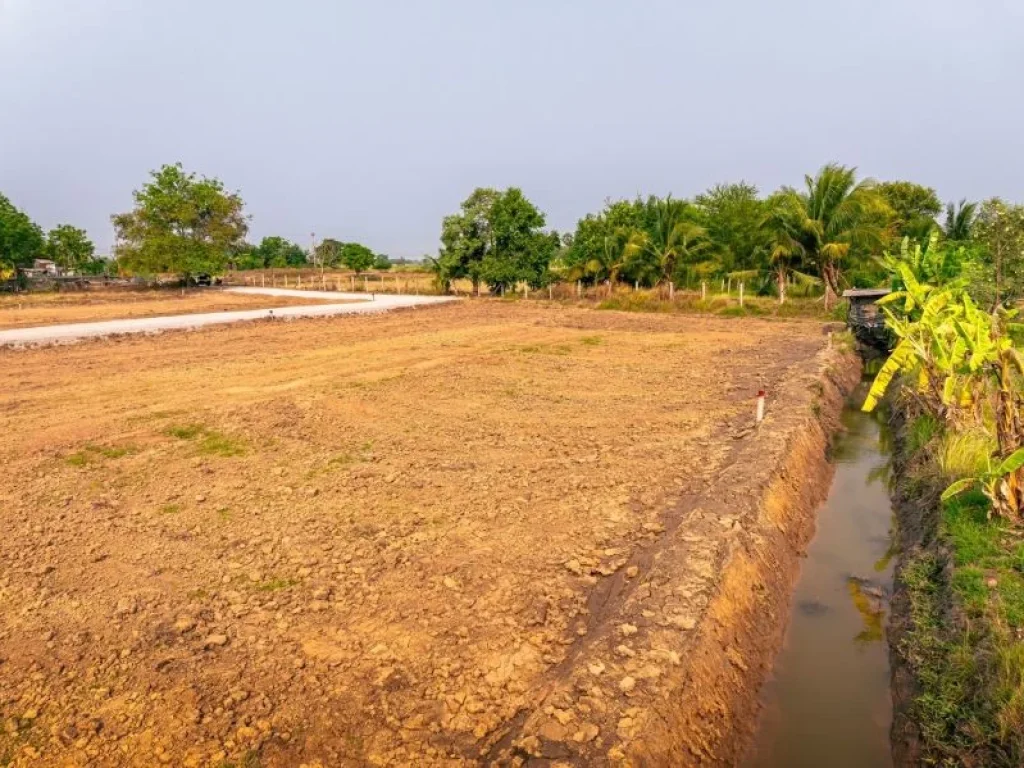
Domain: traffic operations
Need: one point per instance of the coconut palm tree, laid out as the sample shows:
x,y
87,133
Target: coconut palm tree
x,y
960,220
834,216
672,239
780,231
618,251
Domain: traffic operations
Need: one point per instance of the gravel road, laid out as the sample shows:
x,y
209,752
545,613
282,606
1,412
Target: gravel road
x,y
358,303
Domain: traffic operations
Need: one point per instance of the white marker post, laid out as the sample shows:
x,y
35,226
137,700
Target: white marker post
x,y
741,295
760,407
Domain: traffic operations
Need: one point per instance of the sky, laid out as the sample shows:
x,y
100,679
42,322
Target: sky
x,y
372,120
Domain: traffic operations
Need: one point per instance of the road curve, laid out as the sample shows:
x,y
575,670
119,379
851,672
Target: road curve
x,y
363,304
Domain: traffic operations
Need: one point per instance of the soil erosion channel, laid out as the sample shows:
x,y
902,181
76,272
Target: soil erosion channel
x,y
827,701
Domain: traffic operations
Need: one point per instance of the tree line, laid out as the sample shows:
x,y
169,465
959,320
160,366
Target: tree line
x,y
22,241
181,224
829,234
819,238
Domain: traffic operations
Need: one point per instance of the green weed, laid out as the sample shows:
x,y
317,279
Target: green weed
x,y
218,444
211,442
186,431
274,585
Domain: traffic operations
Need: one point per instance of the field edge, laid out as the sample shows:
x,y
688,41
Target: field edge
x,y
711,711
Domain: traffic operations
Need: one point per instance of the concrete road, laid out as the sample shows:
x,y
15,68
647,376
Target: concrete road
x,y
363,304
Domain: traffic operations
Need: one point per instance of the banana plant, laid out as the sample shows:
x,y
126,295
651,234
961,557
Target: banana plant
x,y
996,483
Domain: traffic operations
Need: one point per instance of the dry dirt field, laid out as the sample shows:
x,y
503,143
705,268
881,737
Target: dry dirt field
x,y
24,310
432,537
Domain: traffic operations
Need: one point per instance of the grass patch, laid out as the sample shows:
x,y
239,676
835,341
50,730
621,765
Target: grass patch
x,y
726,306
186,431
275,585
591,341
78,459
968,661
218,444
170,509
210,441
91,453
921,431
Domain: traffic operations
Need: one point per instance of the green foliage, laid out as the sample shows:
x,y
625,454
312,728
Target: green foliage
x,y
960,218
272,253
731,215
497,238
69,247
837,220
959,364
381,262
357,257
999,230
921,431
21,240
914,208
181,224
934,262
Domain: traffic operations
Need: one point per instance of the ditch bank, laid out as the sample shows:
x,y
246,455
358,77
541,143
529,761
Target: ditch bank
x,y
956,630
680,640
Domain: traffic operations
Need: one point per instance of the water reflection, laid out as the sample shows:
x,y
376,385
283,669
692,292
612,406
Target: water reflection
x,y
827,702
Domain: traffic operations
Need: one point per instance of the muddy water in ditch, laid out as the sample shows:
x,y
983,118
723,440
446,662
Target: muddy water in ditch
x,y
827,702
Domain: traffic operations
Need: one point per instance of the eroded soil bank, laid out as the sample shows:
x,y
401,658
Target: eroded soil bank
x,y
483,533
828,700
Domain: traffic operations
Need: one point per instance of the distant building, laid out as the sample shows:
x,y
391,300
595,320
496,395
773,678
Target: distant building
x,y
43,268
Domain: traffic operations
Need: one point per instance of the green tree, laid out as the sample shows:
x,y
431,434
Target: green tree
x,y
673,238
999,229
496,238
960,220
780,233
181,224
21,240
381,262
327,253
589,244
277,252
838,220
69,247
914,208
357,257
732,215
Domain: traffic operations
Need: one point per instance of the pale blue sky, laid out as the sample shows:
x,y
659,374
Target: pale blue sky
x,y
371,120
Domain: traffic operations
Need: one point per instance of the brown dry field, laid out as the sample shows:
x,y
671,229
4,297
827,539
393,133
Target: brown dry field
x,y
402,539
24,310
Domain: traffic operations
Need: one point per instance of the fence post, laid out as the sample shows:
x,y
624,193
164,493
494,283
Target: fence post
x,y
671,291
579,288
741,294
263,281
703,290
551,292
759,414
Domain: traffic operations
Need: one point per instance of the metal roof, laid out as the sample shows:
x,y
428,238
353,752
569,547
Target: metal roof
x,y
866,293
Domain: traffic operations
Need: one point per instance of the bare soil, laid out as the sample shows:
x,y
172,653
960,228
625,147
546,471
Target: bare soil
x,y
32,309
479,533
